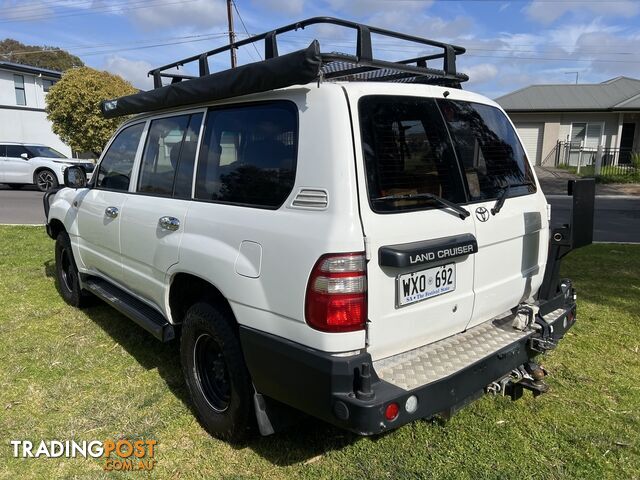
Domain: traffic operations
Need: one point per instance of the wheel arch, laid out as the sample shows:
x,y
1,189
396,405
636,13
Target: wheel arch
x,y
187,289
55,227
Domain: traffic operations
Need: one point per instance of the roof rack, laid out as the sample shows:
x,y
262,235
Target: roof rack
x,y
362,66
301,67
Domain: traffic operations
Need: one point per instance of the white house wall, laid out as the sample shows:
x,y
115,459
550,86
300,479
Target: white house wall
x,y
26,124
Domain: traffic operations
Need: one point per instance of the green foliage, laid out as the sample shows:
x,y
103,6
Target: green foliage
x,y
38,56
635,160
73,106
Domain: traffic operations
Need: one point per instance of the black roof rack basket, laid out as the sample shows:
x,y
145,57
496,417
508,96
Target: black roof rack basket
x,y
300,67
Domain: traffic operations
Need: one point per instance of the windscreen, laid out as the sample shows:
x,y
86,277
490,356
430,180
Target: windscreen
x,y
416,147
40,151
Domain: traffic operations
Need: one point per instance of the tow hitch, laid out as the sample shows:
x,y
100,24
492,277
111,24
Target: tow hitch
x,y
529,376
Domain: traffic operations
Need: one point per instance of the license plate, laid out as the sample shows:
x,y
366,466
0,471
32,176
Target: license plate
x,y
423,284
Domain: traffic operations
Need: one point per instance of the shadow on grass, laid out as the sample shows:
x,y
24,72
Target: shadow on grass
x,y
50,268
306,439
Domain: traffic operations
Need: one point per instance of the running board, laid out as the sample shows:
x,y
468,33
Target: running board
x,y
145,316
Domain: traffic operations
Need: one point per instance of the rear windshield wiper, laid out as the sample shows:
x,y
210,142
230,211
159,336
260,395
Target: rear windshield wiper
x,y
505,193
462,212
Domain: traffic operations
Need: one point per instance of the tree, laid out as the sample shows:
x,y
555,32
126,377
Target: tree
x,y
52,58
73,106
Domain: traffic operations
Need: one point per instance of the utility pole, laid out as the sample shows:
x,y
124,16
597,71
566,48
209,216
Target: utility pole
x,y
571,73
232,34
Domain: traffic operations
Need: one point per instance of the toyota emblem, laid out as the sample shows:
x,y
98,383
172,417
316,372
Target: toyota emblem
x,y
482,214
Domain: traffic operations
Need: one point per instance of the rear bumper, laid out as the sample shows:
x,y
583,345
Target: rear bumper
x,y
325,386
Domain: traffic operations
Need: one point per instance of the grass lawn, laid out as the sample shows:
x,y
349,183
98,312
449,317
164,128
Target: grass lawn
x,y
86,375
609,175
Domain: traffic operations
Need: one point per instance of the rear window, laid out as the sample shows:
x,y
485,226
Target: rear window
x,y
459,151
488,149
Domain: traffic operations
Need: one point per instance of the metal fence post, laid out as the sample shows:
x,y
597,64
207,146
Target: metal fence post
x,y
598,163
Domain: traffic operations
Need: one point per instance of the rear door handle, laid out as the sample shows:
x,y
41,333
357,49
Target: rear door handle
x,y
169,223
111,212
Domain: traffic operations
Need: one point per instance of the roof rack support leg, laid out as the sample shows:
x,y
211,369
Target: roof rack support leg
x,y
364,51
157,79
203,64
449,60
270,45
421,63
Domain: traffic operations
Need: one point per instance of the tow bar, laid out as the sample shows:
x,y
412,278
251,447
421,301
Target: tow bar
x,y
528,376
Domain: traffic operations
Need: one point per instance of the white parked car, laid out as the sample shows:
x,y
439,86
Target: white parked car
x,y
357,239
34,164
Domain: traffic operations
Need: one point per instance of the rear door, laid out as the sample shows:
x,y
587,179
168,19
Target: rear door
x,y
421,267
154,220
3,161
17,168
512,242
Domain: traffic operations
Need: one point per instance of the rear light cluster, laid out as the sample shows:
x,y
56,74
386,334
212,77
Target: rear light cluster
x,y
336,298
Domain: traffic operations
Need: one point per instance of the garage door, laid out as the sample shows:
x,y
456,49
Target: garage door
x,y
531,135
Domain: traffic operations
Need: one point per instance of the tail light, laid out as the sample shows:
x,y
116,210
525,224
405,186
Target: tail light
x,y
336,298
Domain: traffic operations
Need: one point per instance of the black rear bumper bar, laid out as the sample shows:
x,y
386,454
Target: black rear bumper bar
x,y
326,386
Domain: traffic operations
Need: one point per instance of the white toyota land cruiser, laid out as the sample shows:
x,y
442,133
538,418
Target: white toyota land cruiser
x,y
353,238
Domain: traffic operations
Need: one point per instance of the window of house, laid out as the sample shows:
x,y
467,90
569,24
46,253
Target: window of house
x,y
114,172
587,135
169,156
248,154
18,82
47,84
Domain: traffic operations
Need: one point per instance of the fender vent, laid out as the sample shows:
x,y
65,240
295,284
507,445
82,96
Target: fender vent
x,y
311,199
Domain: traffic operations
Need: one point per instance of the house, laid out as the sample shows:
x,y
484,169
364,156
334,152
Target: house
x,y
567,120
23,89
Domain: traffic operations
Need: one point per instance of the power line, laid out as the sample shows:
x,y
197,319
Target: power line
x,y
102,9
195,38
245,28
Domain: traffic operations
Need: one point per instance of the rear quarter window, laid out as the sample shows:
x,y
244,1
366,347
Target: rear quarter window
x,y
248,154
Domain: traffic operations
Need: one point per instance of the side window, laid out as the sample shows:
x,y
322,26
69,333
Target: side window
x,y
248,155
15,151
169,156
3,150
115,168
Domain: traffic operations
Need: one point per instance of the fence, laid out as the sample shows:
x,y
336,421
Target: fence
x,y
589,161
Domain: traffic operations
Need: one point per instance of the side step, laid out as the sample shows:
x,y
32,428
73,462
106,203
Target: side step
x,y
145,316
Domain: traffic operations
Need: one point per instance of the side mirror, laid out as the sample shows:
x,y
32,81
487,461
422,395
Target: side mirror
x,y
75,177
25,156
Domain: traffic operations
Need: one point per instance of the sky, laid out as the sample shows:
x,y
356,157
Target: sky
x,y
510,44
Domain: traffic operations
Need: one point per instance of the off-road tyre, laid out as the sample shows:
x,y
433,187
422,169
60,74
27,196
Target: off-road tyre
x,y
67,277
215,372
